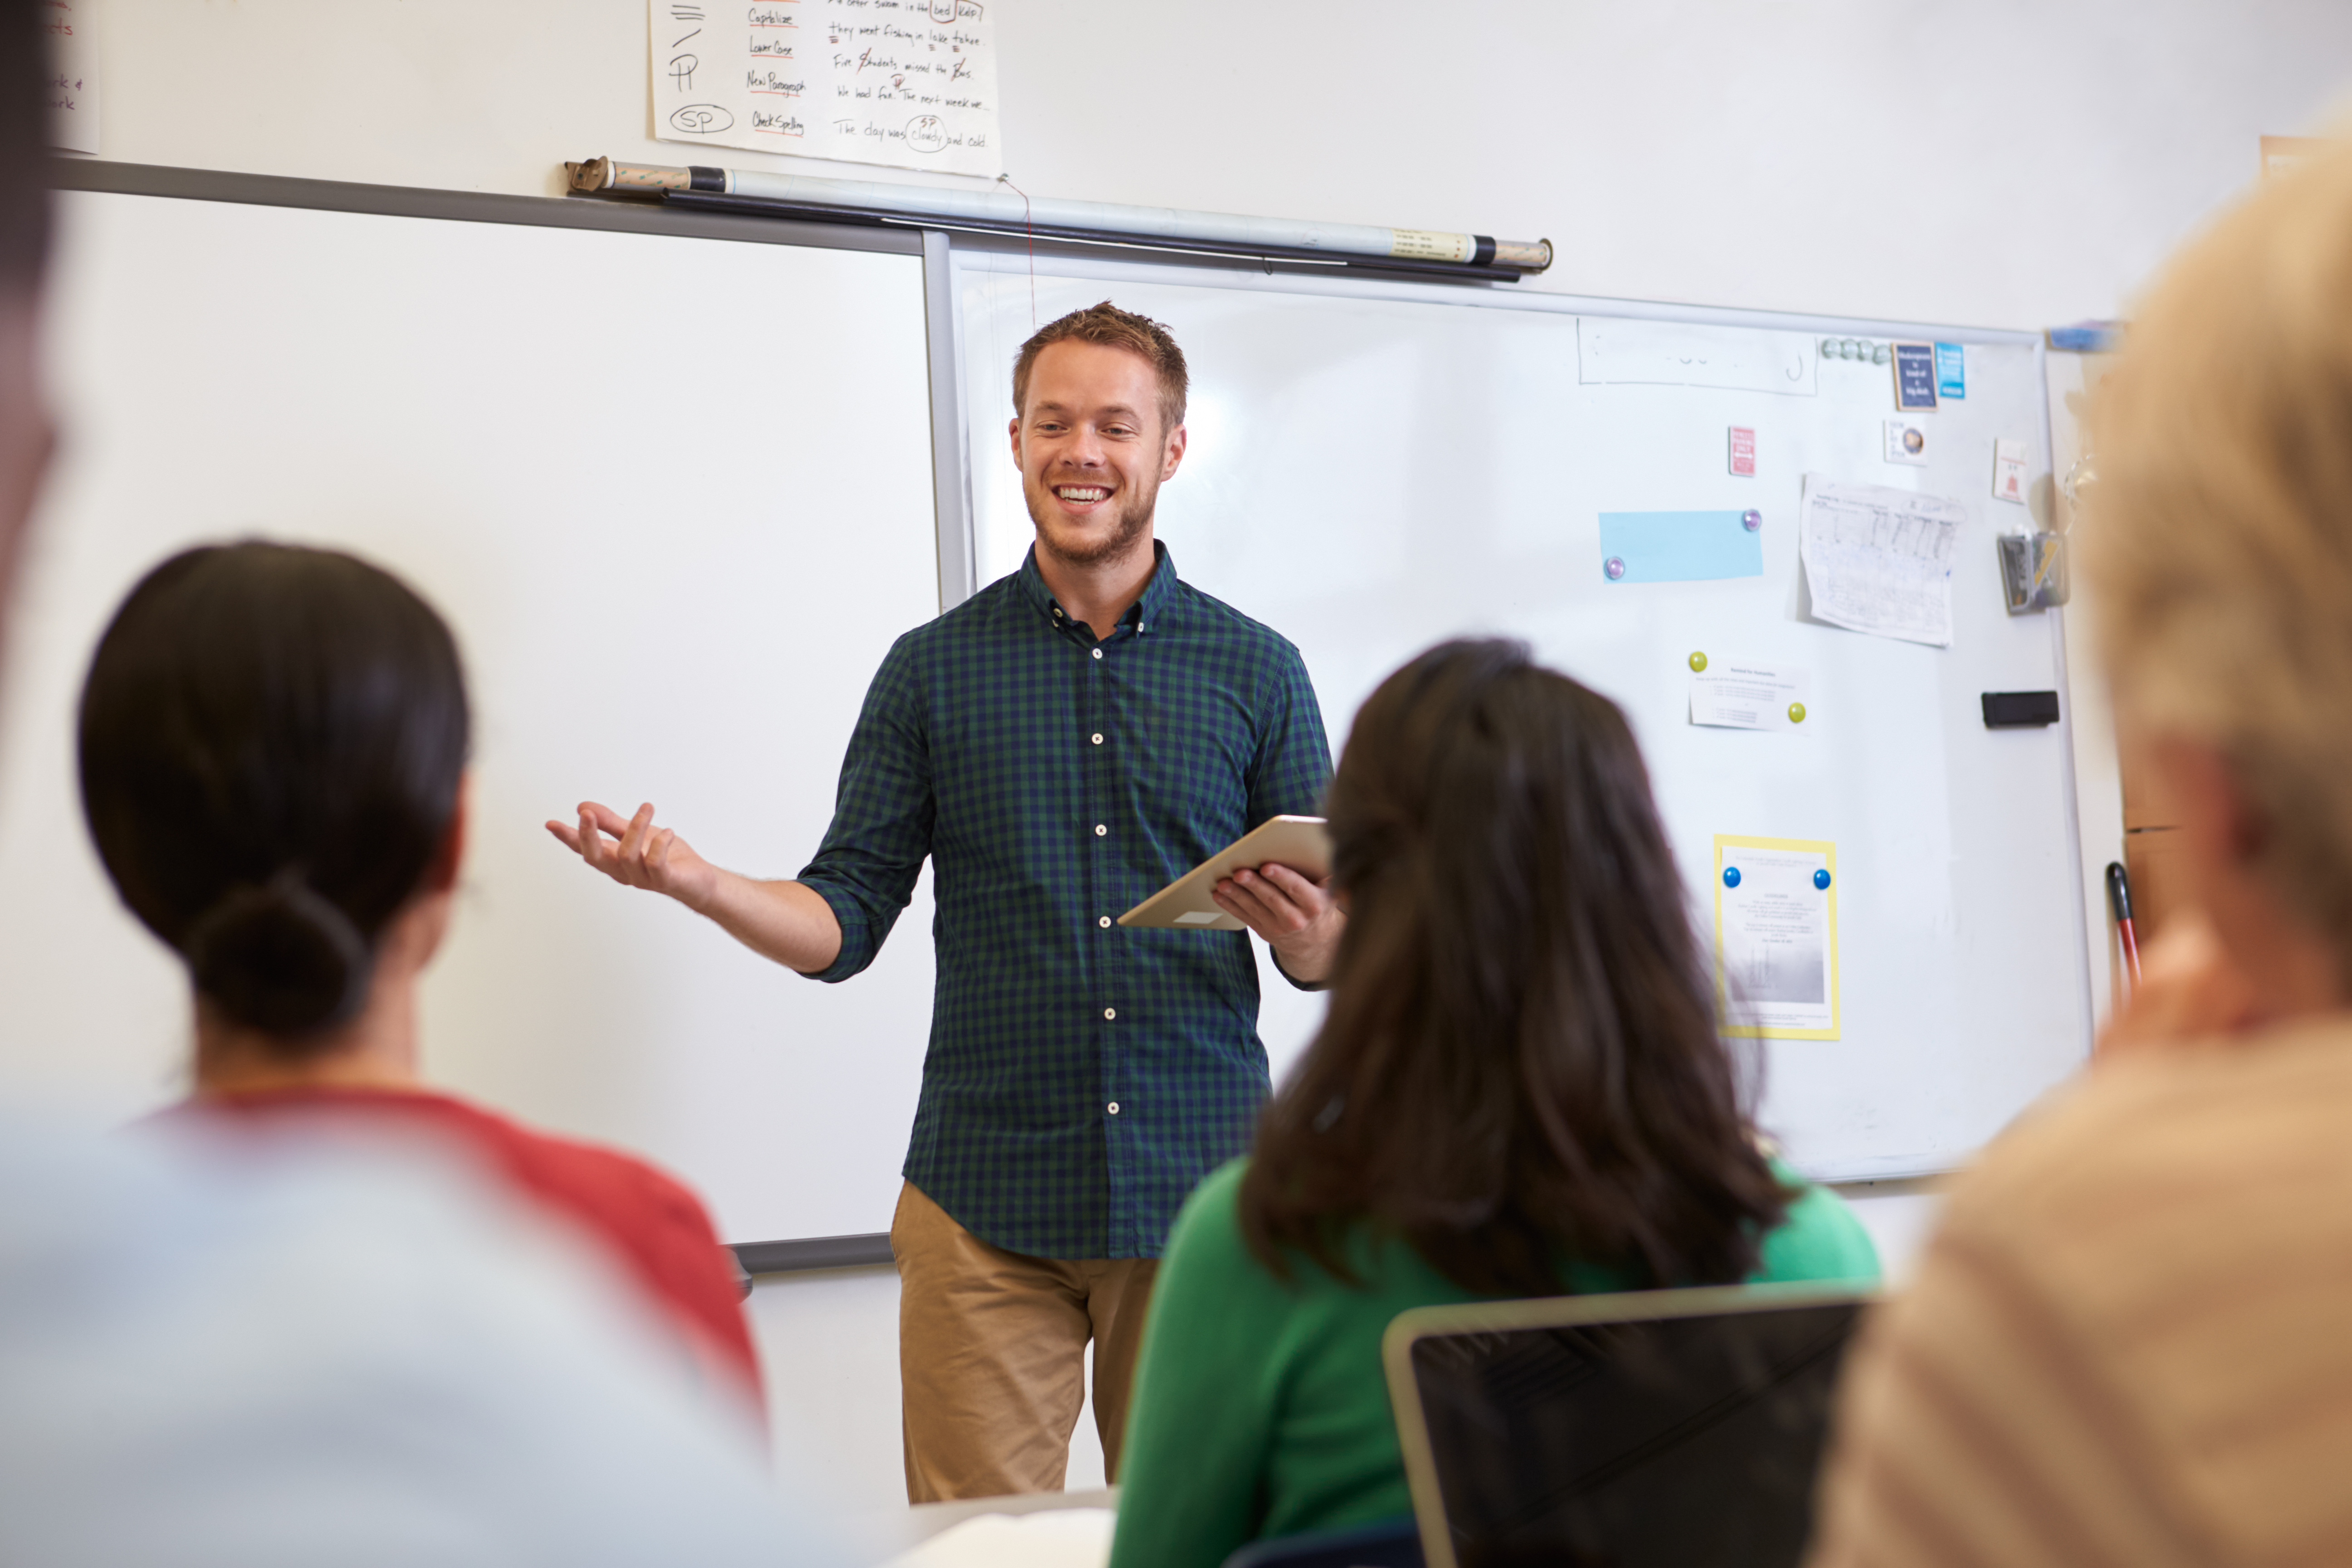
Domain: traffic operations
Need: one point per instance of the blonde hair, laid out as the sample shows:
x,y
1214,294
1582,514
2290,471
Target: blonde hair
x,y
2217,543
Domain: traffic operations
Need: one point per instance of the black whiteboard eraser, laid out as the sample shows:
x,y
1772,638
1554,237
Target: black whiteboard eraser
x,y
2020,710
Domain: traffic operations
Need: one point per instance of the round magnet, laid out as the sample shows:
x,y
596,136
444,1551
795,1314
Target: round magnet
x,y
1879,353
1820,878
1614,568
1731,876
1796,712
1699,661
1829,348
1751,520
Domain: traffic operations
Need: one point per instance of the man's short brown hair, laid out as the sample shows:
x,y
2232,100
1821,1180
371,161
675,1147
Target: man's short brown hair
x,y
1113,328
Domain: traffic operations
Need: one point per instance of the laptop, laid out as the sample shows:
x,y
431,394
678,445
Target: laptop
x,y
1680,1428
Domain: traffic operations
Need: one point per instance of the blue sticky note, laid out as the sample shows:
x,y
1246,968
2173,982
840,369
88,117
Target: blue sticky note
x,y
1678,546
1951,371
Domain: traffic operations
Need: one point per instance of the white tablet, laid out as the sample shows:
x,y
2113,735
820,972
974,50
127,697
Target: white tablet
x,y
1300,843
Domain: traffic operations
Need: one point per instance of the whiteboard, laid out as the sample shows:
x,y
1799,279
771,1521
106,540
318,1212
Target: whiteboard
x,y
675,495
1373,467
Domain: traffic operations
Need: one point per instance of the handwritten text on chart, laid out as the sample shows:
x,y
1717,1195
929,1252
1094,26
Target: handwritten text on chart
x,y
70,28
905,82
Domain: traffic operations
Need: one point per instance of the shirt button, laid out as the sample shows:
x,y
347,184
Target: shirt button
x,y
1097,653
1057,612
1114,1108
1097,738
1100,830
1110,1012
1104,922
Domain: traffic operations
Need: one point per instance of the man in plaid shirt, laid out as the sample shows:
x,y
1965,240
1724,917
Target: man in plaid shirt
x,y
1062,745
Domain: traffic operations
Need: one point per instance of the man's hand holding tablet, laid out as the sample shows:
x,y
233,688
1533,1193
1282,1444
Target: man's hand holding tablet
x,y
1274,880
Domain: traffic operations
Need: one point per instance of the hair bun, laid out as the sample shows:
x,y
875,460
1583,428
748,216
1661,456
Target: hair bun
x,y
280,959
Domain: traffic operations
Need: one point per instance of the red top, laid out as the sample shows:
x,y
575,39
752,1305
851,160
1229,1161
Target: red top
x,y
656,1228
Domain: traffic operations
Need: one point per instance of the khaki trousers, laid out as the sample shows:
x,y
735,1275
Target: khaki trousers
x,y
991,1348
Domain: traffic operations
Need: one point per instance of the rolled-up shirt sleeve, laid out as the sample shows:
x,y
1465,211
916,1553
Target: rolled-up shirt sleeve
x,y
1293,765
882,816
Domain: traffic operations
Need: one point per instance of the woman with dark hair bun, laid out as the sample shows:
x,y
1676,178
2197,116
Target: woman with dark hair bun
x,y
1519,1090
273,757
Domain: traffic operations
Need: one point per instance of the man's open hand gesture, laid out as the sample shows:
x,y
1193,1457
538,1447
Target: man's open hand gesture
x,y
634,852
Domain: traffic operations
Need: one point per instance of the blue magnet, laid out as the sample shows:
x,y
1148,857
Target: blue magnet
x,y
1731,876
1751,520
1614,567
1820,878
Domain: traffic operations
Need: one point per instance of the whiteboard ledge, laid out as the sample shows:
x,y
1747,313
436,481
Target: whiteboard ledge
x,y
1882,1168
817,1252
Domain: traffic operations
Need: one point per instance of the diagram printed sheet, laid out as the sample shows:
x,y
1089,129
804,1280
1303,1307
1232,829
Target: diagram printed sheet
x,y
1775,936
1879,560
910,83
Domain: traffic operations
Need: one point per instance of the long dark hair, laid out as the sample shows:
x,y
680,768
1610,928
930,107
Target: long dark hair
x,y
272,740
1520,1068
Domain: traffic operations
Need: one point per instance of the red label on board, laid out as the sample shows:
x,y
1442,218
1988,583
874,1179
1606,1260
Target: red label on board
x,y
1743,452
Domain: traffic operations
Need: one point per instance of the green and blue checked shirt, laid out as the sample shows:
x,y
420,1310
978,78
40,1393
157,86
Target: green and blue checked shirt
x,y
1082,1076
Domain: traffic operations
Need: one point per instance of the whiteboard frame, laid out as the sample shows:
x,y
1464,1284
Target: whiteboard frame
x,y
1010,256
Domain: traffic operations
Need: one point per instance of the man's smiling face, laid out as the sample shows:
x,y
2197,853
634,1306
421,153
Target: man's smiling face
x,y
1093,450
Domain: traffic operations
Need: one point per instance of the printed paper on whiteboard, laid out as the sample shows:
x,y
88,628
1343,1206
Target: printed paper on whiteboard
x,y
1879,560
1740,694
910,83
1775,936
2009,471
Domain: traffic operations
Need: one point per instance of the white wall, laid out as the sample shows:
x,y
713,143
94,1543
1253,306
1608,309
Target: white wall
x,y
2008,163
2012,162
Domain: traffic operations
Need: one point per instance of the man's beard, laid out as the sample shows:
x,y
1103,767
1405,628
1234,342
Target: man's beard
x,y
1132,523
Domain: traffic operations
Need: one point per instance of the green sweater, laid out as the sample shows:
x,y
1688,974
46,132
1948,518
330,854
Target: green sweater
x,y
1261,1409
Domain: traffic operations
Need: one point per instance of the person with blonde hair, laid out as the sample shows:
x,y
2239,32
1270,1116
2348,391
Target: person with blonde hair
x,y
2127,1342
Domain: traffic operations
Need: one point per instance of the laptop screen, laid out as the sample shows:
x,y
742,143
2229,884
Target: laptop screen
x,y
1688,1440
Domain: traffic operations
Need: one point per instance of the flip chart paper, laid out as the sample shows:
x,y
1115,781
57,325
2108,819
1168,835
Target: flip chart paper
x,y
910,83
1734,695
1776,937
1879,560
71,29
1680,546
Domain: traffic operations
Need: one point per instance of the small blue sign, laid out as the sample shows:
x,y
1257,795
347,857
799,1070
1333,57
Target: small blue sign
x,y
1951,371
1914,377
1678,546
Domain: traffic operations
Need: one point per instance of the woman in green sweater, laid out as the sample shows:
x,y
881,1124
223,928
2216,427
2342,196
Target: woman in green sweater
x,y
1519,1090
